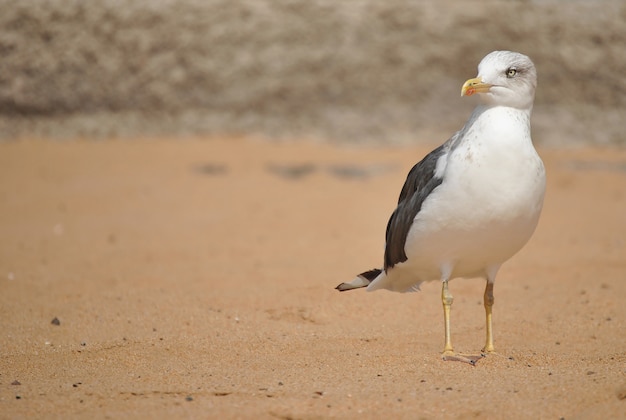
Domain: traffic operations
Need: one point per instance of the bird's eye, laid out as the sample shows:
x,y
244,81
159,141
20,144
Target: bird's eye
x,y
511,72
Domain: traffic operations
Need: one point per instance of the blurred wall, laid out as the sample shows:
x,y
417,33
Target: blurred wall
x,y
354,70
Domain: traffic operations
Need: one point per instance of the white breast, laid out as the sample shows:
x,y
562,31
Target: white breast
x,y
488,204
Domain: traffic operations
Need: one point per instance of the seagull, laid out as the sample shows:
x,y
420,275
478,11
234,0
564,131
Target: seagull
x,y
473,202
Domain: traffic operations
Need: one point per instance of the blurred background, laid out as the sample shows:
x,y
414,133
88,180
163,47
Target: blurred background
x,y
345,71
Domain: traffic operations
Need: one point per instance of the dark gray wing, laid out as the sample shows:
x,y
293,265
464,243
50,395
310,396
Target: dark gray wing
x,y
420,182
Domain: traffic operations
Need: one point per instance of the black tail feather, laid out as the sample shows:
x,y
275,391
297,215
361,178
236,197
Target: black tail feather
x,y
371,274
362,280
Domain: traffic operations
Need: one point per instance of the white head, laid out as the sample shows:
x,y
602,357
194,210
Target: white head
x,y
505,78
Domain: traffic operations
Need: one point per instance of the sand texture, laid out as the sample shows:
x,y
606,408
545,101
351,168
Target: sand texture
x,y
195,279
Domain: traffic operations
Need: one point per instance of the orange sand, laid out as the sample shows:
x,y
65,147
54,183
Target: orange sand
x,y
195,279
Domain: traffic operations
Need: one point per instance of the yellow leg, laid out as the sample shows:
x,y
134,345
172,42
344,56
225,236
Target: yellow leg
x,y
448,352
447,299
488,306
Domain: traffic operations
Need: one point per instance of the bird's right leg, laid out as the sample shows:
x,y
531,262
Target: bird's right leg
x,y
447,299
448,352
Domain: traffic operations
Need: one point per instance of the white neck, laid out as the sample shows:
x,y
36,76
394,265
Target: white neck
x,y
498,124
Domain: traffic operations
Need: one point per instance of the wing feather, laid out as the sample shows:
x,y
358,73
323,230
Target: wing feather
x,y
420,182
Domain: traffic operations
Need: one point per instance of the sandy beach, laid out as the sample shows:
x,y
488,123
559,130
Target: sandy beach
x,y
195,279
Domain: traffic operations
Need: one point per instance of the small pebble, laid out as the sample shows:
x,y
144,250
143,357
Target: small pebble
x,y
16,382
55,321
221,394
188,398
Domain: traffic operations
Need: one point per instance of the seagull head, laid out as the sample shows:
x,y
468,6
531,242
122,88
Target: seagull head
x,y
505,78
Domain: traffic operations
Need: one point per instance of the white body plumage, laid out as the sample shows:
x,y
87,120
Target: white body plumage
x,y
484,211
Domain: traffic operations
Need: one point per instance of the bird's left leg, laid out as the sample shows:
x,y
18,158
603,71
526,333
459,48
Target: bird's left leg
x,y
488,302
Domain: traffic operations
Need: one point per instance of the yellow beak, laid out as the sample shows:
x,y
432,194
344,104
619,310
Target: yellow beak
x,y
473,86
